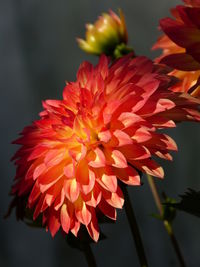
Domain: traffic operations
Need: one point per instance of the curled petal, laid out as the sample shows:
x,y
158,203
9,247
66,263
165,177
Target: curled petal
x,y
99,160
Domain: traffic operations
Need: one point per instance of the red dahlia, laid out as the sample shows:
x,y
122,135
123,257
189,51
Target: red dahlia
x,y
181,45
105,129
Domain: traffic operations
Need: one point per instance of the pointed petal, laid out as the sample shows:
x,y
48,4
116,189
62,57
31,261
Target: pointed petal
x,y
59,200
128,176
122,137
114,199
109,182
85,177
149,166
64,218
38,152
93,228
82,212
75,227
181,61
93,198
39,170
107,210
53,223
179,33
119,159
71,188
54,157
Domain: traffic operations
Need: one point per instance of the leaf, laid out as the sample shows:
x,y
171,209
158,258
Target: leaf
x,y
168,211
190,202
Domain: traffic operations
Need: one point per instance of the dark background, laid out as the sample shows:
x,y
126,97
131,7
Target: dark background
x,y
38,53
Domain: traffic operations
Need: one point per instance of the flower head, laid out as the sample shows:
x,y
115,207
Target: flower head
x,y
192,3
181,44
103,131
105,34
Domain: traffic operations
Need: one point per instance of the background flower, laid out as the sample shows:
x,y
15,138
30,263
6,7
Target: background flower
x,y
103,37
180,46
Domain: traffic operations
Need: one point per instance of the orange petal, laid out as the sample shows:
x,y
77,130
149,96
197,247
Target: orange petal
x,y
38,152
128,176
59,200
64,218
93,228
50,177
39,170
135,151
128,119
54,157
93,198
34,194
107,210
119,159
109,182
75,227
85,177
99,160
104,136
69,170
122,137
38,207
114,199
149,166
53,223
82,212
86,188
71,188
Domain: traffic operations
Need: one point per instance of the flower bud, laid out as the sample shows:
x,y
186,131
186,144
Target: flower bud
x,y
105,34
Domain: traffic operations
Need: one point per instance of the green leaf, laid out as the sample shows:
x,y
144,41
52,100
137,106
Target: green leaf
x,y
190,202
169,212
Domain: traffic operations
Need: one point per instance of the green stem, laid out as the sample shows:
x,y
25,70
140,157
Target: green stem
x,y
89,256
134,228
166,223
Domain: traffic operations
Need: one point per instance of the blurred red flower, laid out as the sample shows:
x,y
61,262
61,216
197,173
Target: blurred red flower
x,y
181,46
102,131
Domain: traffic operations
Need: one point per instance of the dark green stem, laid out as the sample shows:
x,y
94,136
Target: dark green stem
x,y
166,223
134,228
89,256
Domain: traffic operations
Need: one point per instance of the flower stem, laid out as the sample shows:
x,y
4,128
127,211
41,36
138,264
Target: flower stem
x,y
134,228
166,223
89,256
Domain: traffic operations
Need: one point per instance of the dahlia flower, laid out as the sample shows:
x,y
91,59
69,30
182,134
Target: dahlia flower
x,y
105,34
104,130
193,3
181,44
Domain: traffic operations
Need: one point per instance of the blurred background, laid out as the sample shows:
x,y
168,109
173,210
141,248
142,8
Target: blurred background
x,y
38,53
